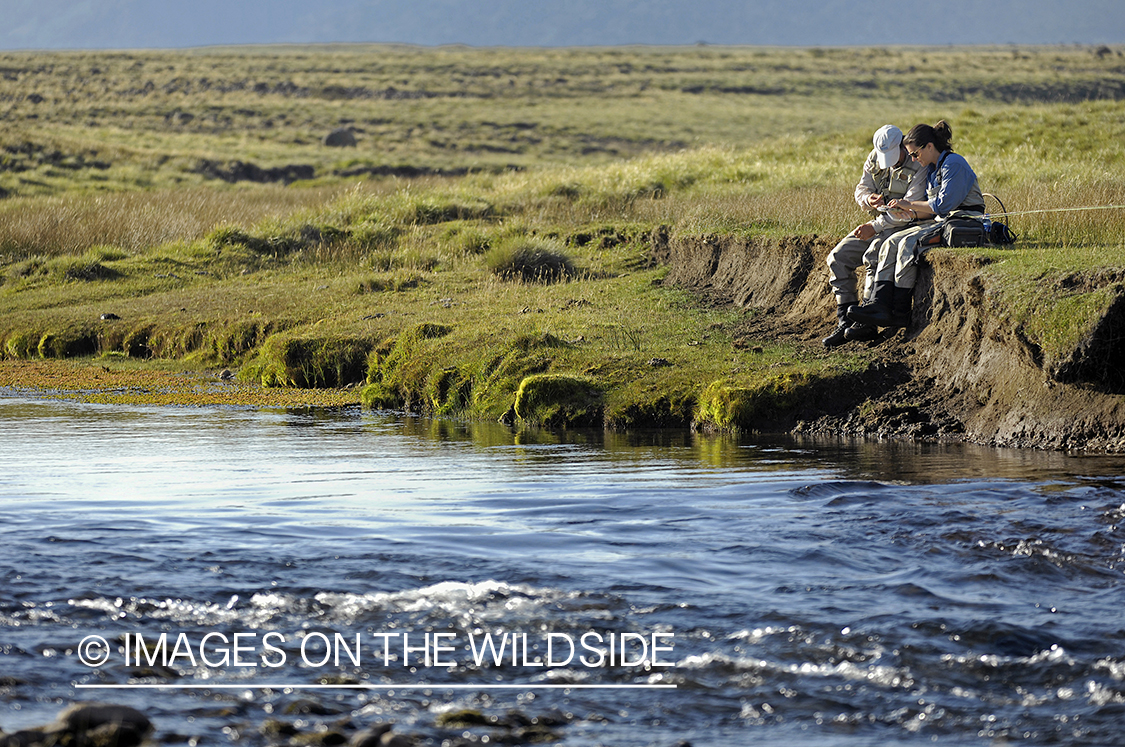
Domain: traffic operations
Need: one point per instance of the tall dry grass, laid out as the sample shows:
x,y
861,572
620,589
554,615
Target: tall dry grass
x,y
792,185
134,221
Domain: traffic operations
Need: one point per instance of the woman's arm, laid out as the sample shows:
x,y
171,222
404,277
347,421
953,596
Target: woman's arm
x,y
918,209
957,180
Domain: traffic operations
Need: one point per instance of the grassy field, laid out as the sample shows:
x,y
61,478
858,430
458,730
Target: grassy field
x,y
168,119
190,194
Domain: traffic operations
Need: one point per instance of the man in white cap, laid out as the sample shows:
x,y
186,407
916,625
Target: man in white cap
x,y
889,173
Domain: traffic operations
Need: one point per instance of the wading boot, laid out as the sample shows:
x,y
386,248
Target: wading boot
x,y
901,301
839,336
861,333
877,311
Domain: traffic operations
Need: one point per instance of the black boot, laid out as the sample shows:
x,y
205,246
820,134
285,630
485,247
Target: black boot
x,y
838,338
861,333
901,302
877,311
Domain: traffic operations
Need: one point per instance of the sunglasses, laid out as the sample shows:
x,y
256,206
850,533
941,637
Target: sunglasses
x,y
915,153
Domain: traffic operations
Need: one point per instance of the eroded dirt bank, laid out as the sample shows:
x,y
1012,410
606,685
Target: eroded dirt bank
x,y
962,371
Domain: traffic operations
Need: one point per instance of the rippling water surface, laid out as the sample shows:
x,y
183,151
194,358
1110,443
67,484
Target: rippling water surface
x,y
855,594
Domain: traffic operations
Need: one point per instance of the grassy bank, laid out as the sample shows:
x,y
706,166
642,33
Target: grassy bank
x,y
484,251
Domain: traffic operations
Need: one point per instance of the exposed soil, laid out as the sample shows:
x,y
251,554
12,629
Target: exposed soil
x,y
239,171
960,372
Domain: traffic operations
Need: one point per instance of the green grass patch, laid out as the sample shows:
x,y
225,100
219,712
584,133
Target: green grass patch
x,y
1056,312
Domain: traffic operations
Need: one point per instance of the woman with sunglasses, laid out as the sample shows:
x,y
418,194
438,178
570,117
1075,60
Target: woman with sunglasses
x,y
951,189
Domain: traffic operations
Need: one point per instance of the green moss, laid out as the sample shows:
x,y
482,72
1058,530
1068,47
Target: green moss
x,y
405,371
380,397
309,362
229,343
1061,327
135,342
735,407
429,369
559,400
68,343
176,341
22,344
449,391
661,409
391,359
498,370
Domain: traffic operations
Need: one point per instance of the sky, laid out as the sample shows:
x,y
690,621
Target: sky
x,y
132,24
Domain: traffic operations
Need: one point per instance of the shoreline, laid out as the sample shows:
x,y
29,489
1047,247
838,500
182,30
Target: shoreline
x,y
962,372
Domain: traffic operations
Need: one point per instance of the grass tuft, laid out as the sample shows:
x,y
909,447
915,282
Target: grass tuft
x,y
530,260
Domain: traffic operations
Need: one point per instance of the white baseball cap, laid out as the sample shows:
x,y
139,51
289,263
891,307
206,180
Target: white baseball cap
x,y
887,140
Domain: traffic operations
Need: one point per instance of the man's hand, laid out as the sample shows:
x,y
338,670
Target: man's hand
x,y
866,232
875,200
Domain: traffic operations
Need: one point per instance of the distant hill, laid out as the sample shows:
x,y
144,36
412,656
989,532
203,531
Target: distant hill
x,y
108,24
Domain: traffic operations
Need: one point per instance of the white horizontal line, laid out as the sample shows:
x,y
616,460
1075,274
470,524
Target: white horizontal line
x,y
408,686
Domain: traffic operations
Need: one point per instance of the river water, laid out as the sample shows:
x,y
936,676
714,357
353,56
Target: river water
x,y
317,572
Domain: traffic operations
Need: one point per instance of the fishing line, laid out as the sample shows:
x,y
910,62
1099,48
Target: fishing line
x,y
1057,210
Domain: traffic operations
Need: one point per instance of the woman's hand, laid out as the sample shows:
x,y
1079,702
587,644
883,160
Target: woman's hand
x,y
904,209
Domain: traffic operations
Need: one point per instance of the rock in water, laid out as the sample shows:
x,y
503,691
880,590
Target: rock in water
x,y
102,724
380,736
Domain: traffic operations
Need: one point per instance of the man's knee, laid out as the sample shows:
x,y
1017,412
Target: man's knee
x,y
847,253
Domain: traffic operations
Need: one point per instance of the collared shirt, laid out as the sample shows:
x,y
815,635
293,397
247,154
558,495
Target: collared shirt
x,y
951,183
907,182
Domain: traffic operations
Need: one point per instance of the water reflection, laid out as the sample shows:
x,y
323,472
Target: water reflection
x,y
102,432
891,461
